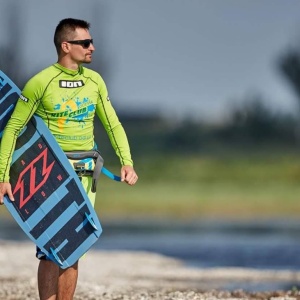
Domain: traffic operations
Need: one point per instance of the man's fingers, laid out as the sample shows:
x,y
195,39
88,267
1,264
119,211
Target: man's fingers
x,y
10,196
123,175
131,179
128,175
5,189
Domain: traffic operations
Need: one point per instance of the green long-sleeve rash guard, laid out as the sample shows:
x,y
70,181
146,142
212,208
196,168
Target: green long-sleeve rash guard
x,y
67,101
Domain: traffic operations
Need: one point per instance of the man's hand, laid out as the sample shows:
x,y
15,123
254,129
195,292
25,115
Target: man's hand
x,y
128,175
5,188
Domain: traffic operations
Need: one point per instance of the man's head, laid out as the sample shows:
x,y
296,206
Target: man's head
x,y
72,38
66,31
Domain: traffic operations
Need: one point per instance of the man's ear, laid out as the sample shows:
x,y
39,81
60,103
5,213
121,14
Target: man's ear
x,y
65,47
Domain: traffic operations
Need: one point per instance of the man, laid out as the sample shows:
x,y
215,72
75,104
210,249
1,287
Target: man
x,y
66,96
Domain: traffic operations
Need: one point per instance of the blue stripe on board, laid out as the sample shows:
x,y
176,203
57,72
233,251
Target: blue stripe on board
x,y
7,111
80,226
90,240
57,224
21,151
46,219
6,91
75,239
4,119
7,88
51,202
4,79
63,244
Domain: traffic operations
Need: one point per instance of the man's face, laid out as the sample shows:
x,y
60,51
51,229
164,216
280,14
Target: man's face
x,y
80,53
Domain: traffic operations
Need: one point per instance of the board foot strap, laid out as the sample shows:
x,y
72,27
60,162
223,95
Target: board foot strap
x,y
53,252
91,221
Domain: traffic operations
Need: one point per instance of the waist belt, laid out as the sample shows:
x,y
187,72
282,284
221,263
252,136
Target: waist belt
x,y
90,163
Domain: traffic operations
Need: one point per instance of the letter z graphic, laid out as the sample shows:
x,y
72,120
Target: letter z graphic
x,y
29,173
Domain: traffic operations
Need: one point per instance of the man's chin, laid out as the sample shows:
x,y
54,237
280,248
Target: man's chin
x,y
87,60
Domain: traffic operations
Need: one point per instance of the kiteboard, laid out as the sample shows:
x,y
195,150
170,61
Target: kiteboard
x,y
51,205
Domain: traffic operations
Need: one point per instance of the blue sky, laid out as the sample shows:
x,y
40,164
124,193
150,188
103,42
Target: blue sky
x,y
180,58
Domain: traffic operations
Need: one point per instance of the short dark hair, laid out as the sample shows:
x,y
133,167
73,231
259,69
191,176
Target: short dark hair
x,y
66,28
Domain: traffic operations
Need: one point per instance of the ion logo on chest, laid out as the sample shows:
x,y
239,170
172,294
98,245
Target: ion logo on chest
x,y
69,84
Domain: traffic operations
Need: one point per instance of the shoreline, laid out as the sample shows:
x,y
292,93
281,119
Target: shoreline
x,y
137,275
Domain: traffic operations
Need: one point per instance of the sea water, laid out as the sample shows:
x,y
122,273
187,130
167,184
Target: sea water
x,y
271,244
267,244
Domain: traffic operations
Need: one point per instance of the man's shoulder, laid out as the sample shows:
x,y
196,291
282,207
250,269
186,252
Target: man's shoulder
x,y
91,73
45,74
37,84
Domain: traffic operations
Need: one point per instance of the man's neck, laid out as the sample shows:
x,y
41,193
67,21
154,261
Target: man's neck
x,y
66,63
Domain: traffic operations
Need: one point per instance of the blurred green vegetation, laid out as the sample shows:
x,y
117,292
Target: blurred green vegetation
x,y
195,186
247,167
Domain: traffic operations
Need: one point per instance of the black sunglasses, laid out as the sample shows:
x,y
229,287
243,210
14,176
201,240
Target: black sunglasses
x,y
84,43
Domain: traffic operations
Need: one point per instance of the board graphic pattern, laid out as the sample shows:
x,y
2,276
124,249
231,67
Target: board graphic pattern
x,y
50,204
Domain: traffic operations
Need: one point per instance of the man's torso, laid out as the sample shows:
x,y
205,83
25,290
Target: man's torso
x,y
66,101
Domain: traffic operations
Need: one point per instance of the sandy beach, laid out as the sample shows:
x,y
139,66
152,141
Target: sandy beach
x,y
136,275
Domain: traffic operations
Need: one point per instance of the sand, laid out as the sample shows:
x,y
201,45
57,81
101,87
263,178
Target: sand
x,y
137,275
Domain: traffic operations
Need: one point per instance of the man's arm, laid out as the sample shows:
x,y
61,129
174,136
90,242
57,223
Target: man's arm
x,y
116,134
